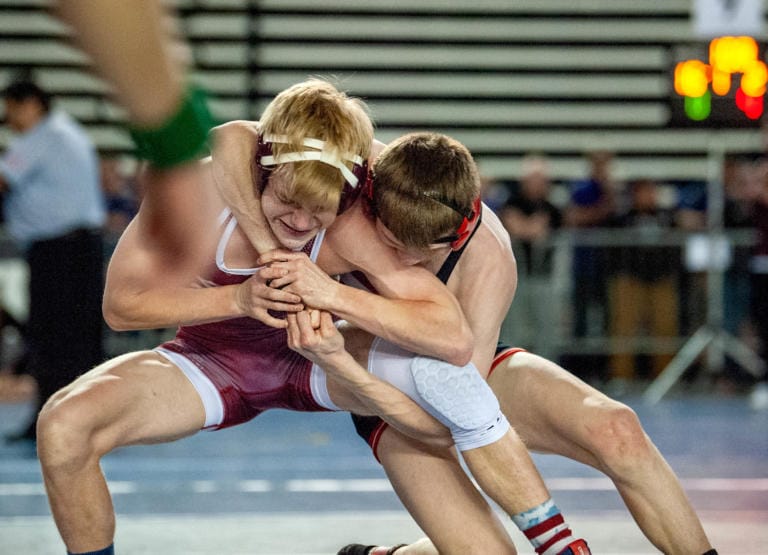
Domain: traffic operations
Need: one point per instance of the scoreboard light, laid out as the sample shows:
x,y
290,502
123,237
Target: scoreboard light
x,y
727,56
698,108
692,78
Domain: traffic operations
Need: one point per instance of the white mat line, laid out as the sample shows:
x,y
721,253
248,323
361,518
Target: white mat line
x,y
378,485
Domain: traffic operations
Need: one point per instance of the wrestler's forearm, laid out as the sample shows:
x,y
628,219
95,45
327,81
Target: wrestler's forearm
x,y
130,44
125,308
386,401
436,329
232,167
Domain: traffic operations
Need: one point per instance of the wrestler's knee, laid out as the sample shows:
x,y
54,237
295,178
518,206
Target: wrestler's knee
x,y
461,400
65,432
617,438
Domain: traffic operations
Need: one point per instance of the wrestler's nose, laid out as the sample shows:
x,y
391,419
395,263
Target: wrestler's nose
x,y
302,219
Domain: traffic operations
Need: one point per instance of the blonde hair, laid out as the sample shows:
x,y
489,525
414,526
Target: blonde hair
x,y
424,185
315,109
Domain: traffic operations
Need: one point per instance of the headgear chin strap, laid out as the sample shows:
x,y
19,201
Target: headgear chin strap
x,y
353,179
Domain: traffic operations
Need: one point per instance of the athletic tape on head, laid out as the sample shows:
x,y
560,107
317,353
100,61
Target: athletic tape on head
x,y
353,179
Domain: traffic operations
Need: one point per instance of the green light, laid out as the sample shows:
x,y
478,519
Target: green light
x,y
698,108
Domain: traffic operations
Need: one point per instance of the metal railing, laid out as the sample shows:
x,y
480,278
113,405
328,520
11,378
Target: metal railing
x,y
553,273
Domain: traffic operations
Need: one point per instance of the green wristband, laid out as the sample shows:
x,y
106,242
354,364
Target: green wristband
x,y
181,138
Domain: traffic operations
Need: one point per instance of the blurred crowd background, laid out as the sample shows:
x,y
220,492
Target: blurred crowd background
x,y
605,187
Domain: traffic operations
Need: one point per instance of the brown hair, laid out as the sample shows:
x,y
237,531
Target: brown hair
x,y
424,185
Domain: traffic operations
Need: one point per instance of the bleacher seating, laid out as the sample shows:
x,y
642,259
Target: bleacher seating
x,y
504,77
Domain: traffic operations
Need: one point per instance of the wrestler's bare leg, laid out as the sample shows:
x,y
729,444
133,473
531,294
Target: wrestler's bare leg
x,y
555,412
135,398
503,469
441,499
506,473
437,492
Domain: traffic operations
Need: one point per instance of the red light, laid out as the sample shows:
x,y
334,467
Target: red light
x,y
752,106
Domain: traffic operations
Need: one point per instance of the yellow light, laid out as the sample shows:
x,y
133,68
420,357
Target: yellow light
x,y
721,82
754,79
732,54
691,78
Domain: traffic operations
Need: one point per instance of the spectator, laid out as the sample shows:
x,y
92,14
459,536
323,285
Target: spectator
x,y
54,210
592,205
759,286
644,294
530,218
494,192
120,196
15,382
741,177
692,217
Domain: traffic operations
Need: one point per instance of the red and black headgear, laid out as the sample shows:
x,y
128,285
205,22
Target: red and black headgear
x,y
458,238
354,179
468,222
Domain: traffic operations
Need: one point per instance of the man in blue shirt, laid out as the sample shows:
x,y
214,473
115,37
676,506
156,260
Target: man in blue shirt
x,y
54,210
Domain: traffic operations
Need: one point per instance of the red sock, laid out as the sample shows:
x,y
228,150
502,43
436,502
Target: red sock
x,y
551,536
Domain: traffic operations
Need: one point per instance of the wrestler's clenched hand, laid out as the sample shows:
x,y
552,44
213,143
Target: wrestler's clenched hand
x,y
320,344
303,277
255,297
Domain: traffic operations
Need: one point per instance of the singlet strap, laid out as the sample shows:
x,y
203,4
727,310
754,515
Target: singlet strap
x,y
228,222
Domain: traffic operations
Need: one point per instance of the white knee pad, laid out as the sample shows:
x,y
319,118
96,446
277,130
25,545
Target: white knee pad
x,y
458,397
463,400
